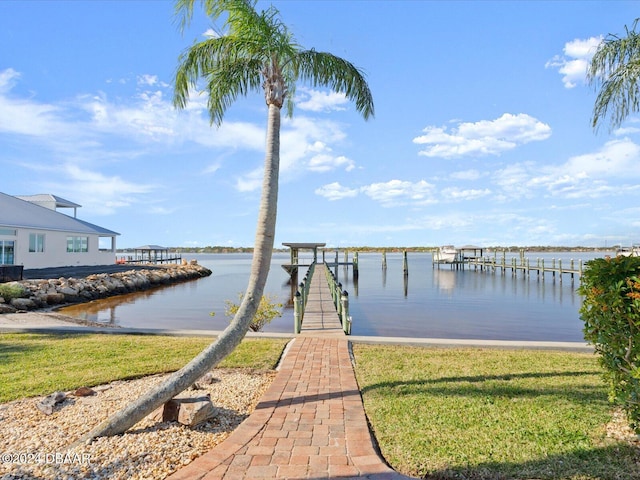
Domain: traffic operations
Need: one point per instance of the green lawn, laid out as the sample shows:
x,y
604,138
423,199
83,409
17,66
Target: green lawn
x,y
491,414
39,364
437,413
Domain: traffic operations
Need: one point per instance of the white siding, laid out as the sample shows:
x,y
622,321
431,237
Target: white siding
x,y
55,251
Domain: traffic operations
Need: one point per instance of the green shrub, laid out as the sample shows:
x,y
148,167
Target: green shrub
x,y
611,315
267,311
12,290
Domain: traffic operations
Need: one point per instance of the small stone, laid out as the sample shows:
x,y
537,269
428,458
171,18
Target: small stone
x,y
84,392
167,412
47,403
208,379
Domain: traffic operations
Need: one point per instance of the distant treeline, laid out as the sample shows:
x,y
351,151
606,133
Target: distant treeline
x,y
539,248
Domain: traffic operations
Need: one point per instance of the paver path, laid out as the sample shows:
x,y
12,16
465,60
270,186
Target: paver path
x,y
310,423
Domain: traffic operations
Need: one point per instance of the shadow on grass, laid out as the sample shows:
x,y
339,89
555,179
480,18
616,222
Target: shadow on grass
x,y
23,343
8,349
614,462
574,392
498,385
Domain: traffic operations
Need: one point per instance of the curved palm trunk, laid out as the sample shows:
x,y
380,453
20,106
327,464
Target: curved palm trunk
x,y
235,332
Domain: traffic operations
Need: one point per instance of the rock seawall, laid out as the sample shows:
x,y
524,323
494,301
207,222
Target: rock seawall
x,y
41,294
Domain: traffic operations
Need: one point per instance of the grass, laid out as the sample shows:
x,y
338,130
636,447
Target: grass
x,y
491,414
39,364
438,414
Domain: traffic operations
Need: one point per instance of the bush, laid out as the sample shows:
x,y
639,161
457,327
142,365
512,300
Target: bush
x,y
12,290
611,315
267,311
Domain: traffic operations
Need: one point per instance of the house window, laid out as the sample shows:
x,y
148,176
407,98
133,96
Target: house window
x,y
7,231
7,248
77,244
36,242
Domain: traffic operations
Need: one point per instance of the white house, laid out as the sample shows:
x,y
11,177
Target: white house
x,y
35,235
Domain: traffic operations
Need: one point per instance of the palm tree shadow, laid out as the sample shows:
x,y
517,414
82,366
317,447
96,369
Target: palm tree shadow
x,y
498,385
608,460
612,462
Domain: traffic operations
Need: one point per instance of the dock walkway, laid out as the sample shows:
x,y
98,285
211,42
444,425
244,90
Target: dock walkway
x,y
310,423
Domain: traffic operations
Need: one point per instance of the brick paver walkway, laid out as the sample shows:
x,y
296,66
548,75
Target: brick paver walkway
x,y
310,423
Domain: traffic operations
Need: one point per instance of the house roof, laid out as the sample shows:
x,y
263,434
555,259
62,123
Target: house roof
x,y
18,213
47,198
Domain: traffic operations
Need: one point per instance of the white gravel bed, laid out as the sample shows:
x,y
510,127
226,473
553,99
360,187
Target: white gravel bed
x,y
34,445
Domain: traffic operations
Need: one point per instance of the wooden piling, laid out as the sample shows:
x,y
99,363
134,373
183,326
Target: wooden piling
x,y
405,263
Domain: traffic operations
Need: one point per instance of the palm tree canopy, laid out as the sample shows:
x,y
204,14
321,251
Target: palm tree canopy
x,y
615,68
257,51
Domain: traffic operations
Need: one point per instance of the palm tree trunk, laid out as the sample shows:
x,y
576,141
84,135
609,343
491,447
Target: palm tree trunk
x,y
235,332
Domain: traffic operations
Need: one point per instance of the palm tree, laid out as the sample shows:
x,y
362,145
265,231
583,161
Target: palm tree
x,y
615,68
257,52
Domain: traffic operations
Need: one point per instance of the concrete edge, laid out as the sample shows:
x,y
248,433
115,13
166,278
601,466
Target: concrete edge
x,y
416,342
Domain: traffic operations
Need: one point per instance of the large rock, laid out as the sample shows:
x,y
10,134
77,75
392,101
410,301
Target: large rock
x,y
189,408
42,293
23,303
4,308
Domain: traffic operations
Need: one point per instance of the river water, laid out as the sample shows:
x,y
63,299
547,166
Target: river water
x,y
427,303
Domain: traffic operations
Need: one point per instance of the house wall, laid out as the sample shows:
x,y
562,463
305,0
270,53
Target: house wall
x,y
55,250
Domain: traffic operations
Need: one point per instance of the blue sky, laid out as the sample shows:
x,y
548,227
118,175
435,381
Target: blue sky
x,y
481,135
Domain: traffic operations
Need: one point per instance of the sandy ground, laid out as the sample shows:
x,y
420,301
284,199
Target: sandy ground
x,y
40,319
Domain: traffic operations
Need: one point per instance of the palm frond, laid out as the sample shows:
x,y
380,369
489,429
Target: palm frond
x,y
231,80
222,61
615,69
326,69
263,46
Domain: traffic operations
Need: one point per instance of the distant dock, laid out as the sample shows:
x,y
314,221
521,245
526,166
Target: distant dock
x,y
467,257
149,254
295,263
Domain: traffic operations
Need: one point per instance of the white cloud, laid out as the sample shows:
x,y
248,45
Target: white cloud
x,y
466,175
305,147
320,101
213,168
8,79
590,175
327,163
250,181
149,80
486,137
211,33
101,194
617,158
335,191
398,192
455,193
575,61
27,116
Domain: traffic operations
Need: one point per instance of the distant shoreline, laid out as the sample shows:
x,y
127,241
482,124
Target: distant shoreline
x,y
365,249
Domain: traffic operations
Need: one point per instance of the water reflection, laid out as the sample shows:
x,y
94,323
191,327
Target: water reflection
x,y
444,279
427,302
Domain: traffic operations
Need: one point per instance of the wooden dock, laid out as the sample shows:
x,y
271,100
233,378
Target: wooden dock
x,y
320,315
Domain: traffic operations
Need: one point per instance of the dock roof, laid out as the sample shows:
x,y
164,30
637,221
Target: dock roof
x,y
303,245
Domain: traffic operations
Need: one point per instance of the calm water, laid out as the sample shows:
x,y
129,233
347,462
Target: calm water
x,y
437,303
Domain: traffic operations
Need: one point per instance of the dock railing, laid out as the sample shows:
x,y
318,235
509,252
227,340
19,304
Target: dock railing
x,y
340,300
300,298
